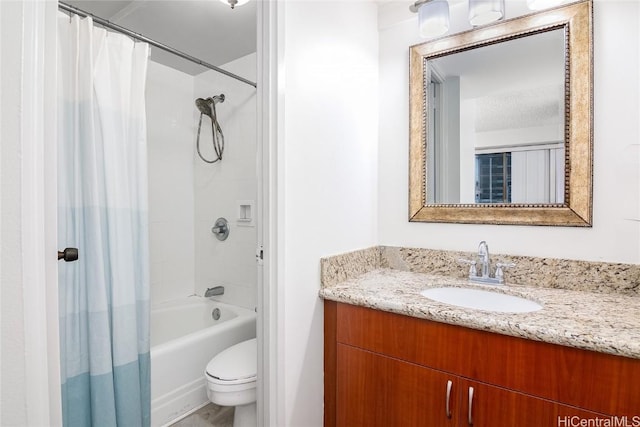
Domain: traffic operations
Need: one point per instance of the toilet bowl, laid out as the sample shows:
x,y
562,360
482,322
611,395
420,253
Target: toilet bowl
x,y
231,381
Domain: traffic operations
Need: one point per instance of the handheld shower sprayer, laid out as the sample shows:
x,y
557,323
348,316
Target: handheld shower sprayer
x,y
207,107
204,106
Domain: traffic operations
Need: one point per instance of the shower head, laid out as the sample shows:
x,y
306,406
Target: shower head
x,y
204,105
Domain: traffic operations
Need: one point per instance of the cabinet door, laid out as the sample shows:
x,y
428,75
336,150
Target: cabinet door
x,y
490,406
498,407
375,390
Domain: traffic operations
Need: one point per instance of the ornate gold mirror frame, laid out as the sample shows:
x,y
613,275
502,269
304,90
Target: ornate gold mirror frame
x,y
576,20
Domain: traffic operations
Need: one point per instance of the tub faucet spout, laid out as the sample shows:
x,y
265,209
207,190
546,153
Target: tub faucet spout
x,y
215,291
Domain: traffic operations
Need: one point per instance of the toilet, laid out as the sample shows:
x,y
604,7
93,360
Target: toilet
x,y
231,381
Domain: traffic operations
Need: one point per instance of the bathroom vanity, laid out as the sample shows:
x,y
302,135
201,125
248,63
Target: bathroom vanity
x,y
396,358
385,369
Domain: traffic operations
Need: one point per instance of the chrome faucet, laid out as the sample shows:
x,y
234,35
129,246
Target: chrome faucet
x,y
485,262
215,291
485,267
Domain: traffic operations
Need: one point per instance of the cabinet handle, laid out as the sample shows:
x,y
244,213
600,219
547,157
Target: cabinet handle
x,y
447,407
470,406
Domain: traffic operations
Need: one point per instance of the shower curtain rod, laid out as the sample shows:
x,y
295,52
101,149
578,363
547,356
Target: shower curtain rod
x,y
107,24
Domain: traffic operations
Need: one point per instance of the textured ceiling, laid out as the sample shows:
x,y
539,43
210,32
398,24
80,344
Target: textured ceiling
x,y
520,109
515,84
206,29
535,60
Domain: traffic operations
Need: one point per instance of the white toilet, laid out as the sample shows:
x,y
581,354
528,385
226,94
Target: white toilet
x,y
231,381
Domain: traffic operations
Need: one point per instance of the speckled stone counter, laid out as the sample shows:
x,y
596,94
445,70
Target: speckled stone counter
x,y
607,322
530,271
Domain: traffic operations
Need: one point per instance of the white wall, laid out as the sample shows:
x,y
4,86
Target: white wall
x,y
615,235
30,380
170,139
330,173
12,374
220,186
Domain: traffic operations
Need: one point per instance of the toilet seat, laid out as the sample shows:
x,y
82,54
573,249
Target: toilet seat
x,y
235,365
231,376
218,381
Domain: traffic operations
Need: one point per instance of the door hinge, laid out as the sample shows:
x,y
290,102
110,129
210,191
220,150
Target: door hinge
x,y
259,255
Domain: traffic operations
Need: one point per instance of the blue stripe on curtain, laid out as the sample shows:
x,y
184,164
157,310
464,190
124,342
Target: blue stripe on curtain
x,y
102,210
85,398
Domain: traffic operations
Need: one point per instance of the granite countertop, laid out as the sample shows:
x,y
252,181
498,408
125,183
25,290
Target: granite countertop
x,y
607,323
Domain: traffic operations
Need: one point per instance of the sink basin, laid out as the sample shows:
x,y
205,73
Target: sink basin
x,y
481,300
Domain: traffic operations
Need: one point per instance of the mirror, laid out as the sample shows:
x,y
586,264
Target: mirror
x,y
497,123
501,122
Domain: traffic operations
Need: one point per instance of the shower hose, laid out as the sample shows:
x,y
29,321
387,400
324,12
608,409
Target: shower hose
x,y
218,136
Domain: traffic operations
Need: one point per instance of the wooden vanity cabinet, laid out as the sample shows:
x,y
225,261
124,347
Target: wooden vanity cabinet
x,y
375,390
384,369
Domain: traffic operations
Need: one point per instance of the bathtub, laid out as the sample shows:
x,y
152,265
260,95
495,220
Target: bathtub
x,y
184,337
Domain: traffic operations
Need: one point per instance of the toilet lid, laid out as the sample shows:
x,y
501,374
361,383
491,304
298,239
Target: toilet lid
x,y
237,362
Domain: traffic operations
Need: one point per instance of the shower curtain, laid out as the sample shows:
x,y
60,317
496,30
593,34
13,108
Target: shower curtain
x,y
102,210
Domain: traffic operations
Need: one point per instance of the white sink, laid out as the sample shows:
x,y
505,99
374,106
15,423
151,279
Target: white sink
x,y
481,300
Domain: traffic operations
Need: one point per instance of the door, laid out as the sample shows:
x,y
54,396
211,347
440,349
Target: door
x,y
375,390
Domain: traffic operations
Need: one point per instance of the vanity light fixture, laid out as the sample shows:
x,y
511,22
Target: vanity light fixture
x,y
482,12
433,17
234,3
543,4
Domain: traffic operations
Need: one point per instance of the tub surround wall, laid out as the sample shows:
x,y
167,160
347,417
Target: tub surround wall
x,y
599,277
169,96
220,186
186,195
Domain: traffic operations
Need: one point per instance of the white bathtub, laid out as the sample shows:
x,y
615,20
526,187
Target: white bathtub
x,y
184,337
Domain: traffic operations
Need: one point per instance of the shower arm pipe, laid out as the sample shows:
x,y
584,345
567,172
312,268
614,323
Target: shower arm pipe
x,y
108,24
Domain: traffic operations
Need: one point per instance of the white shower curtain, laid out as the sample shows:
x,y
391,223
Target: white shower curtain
x,y
102,200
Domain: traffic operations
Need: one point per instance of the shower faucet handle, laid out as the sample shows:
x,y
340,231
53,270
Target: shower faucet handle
x,y
221,229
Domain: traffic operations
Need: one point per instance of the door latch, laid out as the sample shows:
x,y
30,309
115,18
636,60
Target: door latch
x,y
260,255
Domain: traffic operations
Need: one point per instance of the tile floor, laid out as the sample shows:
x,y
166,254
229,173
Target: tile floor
x,y
208,416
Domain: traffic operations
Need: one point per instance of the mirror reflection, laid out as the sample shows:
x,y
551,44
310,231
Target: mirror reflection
x,y
496,123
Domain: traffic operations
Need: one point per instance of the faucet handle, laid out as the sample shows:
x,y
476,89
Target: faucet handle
x,y
499,269
472,266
